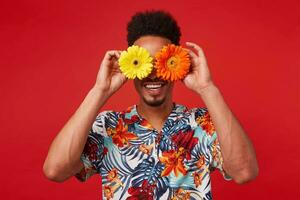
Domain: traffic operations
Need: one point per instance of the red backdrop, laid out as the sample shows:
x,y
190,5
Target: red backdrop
x,y
51,51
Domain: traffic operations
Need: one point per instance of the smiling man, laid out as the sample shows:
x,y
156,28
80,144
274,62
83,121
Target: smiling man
x,y
156,149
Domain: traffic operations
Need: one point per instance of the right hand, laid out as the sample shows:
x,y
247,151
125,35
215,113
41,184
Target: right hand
x,y
110,78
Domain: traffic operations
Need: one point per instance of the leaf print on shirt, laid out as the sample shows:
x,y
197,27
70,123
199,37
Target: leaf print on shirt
x,y
150,170
120,134
133,158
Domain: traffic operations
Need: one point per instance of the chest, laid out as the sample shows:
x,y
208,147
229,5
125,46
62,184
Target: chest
x,y
139,148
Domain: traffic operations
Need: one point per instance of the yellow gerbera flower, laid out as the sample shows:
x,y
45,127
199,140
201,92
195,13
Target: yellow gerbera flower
x,y
136,62
172,63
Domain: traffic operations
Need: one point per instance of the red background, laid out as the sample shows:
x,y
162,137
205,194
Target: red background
x,y
50,55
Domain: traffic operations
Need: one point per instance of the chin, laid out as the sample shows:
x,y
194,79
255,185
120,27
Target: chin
x,y
153,92
154,103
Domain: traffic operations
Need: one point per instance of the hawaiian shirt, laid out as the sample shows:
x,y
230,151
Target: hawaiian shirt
x,y
136,161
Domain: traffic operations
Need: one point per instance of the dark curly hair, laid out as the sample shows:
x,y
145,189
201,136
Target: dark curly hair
x,y
154,22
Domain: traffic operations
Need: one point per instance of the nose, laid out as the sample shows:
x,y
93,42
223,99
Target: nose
x,y
152,75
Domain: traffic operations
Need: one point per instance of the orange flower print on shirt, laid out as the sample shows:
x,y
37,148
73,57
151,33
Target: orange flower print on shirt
x,y
181,194
113,177
206,123
173,161
201,162
108,192
146,149
120,134
216,153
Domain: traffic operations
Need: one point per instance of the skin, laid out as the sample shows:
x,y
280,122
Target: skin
x,y
155,106
239,160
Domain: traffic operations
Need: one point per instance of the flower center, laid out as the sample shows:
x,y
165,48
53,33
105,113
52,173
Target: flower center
x,y
172,62
135,62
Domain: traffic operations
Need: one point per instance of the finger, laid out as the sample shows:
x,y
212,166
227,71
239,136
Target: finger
x,y
191,53
106,62
196,47
116,54
111,54
119,53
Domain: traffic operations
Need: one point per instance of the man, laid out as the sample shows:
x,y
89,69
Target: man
x,y
156,149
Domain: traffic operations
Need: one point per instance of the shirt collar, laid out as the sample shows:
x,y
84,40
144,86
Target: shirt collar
x,y
132,111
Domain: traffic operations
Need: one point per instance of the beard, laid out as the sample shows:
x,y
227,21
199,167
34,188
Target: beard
x,y
154,103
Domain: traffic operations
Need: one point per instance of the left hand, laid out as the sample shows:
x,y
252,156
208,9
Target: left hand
x,y
199,76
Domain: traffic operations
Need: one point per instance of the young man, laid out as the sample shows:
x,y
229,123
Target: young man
x,y
156,149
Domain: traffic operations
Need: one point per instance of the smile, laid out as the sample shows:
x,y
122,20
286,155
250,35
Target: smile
x,y
153,85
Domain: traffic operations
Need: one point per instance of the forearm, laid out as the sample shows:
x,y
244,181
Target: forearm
x,y
64,154
239,159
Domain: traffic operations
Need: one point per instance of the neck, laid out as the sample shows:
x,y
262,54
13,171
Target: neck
x,y
155,115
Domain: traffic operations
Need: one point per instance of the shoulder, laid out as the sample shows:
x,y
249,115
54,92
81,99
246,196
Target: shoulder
x,y
198,111
200,118
194,112
186,109
111,117
204,120
105,119
107,114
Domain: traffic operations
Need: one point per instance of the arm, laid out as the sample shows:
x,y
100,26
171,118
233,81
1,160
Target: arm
x,y
239,160
63,159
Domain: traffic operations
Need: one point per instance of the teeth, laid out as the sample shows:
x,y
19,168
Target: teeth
x,y
153,86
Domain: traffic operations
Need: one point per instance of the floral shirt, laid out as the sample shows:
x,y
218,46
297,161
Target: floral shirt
x,y
136,161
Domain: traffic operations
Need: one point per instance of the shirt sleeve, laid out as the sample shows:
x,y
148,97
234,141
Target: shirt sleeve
x,y
204,120
94,149
216,155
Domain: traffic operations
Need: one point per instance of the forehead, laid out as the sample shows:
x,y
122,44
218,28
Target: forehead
x,y
152,43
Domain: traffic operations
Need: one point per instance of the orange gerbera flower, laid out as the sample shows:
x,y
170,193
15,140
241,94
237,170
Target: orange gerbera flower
x,y
172,63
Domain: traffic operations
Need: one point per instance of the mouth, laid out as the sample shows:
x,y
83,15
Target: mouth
x,y
153,85
154,88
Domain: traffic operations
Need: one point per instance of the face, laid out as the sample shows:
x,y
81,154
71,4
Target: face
x,y
152,90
